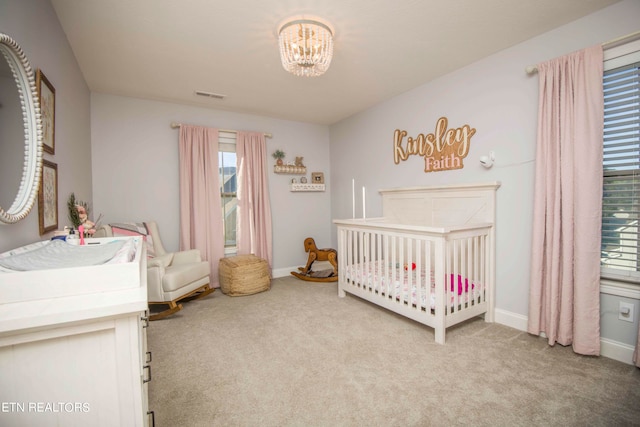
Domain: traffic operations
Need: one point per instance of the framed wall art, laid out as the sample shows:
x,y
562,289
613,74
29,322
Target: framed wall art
x,y
48,197
47,97
317,178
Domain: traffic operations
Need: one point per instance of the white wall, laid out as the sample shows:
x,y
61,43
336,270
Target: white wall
x,y
34,26
135,169
497,98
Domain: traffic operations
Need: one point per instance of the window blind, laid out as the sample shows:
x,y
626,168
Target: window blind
x,y
621,166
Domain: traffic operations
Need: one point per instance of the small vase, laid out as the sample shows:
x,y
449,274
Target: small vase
x,y
279,162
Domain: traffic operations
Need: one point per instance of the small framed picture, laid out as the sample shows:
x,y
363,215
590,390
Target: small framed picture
x,y
317,178
47,97
48,197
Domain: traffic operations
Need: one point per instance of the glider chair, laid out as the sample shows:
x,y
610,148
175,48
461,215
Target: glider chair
x,y
171,276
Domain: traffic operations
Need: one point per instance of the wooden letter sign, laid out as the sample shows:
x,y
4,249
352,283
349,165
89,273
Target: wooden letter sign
x,y
444,149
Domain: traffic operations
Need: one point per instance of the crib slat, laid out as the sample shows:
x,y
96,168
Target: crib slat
x,y
484,260
398,285
359,261
417,273
409,273
479,278
385,266
428,276
441,264
394,269
466,277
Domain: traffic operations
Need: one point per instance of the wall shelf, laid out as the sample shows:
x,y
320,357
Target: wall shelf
x,y
290,170
306,187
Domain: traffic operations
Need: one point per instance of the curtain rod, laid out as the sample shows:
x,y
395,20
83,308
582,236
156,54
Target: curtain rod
x,y
176,125
532,69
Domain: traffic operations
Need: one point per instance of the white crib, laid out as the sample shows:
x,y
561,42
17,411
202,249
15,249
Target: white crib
x,y
430,257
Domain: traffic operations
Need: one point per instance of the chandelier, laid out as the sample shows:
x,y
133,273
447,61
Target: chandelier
x,y
306,46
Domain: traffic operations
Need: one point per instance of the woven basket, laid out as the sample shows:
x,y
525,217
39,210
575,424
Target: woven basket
x,y
243,275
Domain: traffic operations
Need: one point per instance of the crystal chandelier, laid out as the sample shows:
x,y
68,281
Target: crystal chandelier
x,y
306,46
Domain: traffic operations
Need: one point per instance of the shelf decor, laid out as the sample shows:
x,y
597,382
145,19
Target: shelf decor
x,y
278,155
290,169
307,187
317,178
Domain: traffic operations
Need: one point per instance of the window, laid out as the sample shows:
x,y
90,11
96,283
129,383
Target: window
x,y
228,188
620,257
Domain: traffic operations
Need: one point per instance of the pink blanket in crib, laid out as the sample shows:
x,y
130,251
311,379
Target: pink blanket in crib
x,y
367,275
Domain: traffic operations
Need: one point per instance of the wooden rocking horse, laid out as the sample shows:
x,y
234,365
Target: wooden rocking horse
x,y
316,254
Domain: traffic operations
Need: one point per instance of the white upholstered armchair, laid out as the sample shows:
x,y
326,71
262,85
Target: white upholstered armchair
x,y
171,276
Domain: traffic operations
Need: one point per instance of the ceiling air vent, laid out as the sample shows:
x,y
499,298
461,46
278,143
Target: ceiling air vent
x,y
210,94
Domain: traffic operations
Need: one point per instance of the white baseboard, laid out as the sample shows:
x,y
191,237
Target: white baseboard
x,y
616,350
608,348
283,272
513,320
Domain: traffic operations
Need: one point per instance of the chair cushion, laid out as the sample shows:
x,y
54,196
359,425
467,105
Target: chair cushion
x,y
179,275
160,261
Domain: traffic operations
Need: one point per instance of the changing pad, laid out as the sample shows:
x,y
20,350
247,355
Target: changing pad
x,y
60,254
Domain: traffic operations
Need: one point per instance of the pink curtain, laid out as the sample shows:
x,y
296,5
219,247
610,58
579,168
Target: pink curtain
x,y
201,224
564,297
254,234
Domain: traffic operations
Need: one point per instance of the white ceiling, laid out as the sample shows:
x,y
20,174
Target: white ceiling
x,y
167,49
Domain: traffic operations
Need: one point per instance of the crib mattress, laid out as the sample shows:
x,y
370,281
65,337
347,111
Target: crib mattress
x,y
371,276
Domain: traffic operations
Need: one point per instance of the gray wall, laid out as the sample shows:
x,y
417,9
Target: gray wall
x,y
135,169
121,154
34,26
497,97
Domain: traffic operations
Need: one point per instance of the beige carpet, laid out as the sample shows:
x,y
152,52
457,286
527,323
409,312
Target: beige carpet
x,y
298,355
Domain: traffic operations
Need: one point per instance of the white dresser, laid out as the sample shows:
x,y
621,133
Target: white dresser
x,y
73,345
